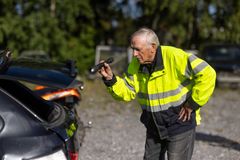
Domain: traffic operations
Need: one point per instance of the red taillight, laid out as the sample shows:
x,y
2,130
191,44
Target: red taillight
x,y
73,155
61,94
39,87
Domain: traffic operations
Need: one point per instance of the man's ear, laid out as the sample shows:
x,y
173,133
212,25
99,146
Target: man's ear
x,y
153,47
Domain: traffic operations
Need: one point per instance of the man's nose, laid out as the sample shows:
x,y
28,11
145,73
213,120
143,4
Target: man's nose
x,y
135,53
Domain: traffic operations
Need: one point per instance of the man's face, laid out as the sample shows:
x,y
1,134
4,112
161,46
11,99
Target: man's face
x,y
142,50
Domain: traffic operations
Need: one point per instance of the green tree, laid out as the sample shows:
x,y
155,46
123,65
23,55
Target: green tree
x,y
64,30
76,20
190,23
221,22
173,20
72,29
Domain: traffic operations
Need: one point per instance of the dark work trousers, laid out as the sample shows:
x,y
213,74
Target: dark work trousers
x,y
178,147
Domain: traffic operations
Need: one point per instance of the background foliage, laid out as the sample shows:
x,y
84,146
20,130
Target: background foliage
x,y
71,29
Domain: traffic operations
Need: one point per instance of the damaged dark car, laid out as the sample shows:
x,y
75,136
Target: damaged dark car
x,y
32,128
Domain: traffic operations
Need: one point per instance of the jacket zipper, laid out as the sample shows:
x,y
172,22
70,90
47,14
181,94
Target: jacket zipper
x,y
153,117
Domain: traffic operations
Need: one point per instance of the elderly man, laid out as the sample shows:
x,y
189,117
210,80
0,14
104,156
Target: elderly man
x,y
171,86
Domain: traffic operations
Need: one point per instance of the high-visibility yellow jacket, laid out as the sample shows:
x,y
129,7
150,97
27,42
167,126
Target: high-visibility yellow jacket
x,y
177,77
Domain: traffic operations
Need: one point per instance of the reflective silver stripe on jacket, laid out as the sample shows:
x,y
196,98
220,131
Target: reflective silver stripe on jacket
x,y
162,95
195,70
128,85
192,57
165,106
200,67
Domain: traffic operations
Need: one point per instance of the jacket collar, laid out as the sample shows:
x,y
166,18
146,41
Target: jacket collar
x,y
156,65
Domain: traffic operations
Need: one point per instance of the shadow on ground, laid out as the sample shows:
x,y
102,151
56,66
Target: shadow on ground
x,y
216,140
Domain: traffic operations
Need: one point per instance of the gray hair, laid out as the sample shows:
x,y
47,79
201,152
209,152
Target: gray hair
x,y
150,35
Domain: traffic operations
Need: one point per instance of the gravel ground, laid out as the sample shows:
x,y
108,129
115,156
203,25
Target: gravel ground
x,y
117,134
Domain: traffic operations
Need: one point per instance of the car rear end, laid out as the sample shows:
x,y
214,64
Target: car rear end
x,y
31,127
28,130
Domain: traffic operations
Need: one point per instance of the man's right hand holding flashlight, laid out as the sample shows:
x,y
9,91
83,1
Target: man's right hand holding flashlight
x,y
106,72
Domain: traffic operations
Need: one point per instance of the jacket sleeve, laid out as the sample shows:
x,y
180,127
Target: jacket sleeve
x,y
123,89
203,77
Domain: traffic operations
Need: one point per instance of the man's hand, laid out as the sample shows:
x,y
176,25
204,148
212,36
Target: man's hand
x,y
185,112
106,72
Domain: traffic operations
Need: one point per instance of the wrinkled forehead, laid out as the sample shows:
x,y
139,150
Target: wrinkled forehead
x,y
138,40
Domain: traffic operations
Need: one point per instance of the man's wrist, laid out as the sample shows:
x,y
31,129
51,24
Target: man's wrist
x,y
192,104
110,82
